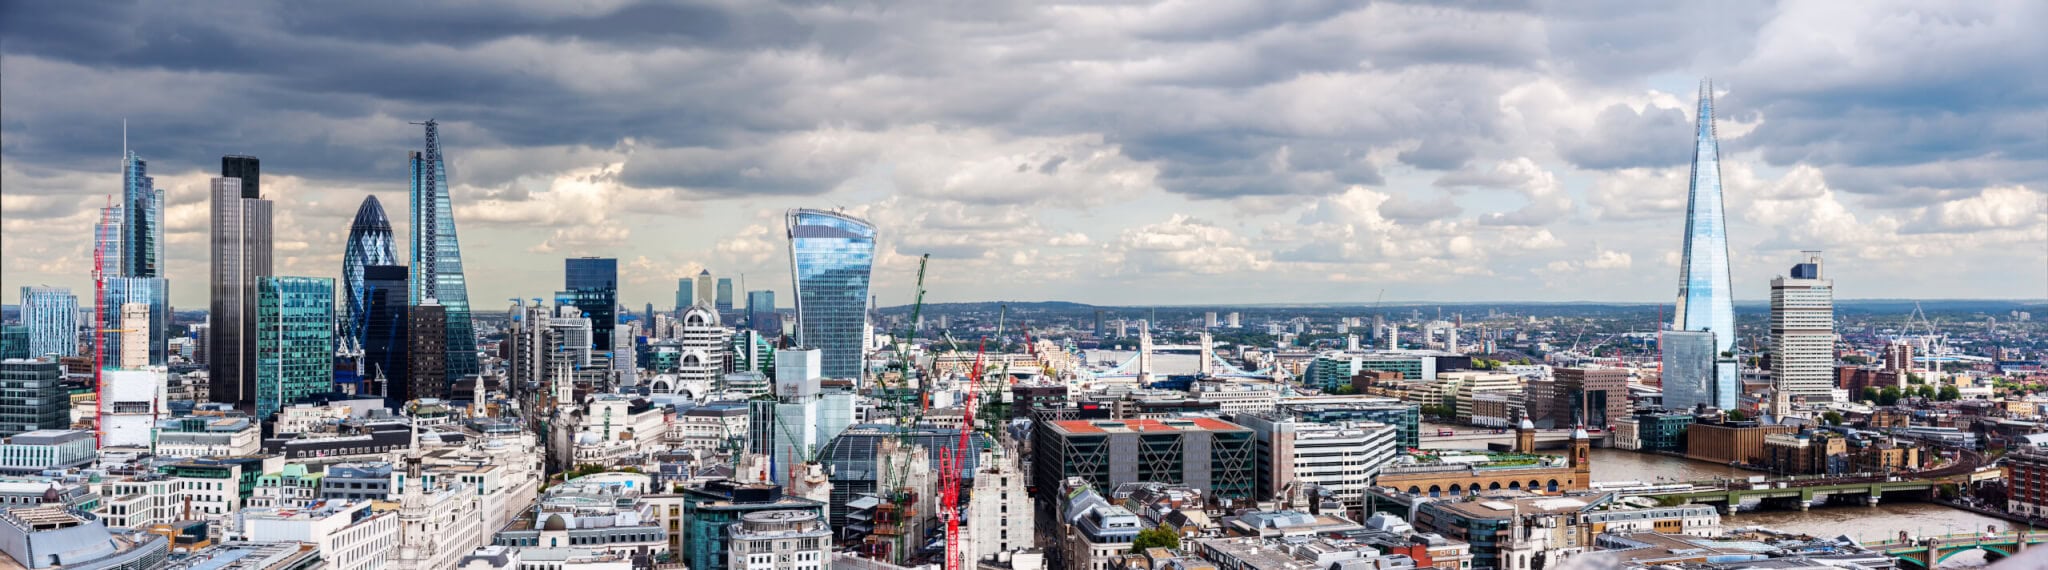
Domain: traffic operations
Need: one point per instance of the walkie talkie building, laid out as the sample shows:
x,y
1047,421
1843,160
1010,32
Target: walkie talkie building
x,y
831,256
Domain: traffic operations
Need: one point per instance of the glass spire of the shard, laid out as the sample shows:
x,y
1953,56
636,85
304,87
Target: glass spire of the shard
x,y
1705,298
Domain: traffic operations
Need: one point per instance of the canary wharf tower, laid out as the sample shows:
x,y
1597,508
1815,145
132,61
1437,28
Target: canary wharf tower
x,y
437,256
1700,363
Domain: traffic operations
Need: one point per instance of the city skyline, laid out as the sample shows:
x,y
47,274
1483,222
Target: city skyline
x,y
1438,165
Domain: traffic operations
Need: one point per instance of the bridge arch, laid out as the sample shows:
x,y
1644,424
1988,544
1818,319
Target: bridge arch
x,y
1553,485
1969,547
1457,489
1435,491
1414,490
1514,485
1494,486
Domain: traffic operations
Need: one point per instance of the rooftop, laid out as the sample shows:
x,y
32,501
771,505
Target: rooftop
x,y
1145,425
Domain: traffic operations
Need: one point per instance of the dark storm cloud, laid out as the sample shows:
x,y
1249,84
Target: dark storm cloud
x,y
1624,138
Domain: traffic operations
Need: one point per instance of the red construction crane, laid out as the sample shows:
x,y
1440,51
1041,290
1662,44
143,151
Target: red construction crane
x,y
951,461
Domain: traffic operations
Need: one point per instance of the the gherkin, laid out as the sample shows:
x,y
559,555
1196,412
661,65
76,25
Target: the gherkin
x,y
369,243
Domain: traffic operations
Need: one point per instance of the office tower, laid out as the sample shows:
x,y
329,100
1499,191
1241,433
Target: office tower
x,y
1209,320
153,293
685,294
707,291
32,396
384,326
426,353
241,255
142,236
1689,372
1803,332
761,313
50,315
724,300
246,169
703,348
14,342
130,245
369,243
436,255
592,285
134,333
1705,298
1593,397
831,255
800,416
1217,457
294,341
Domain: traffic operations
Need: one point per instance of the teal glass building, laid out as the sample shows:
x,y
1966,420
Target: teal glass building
x,y
294,340
831,256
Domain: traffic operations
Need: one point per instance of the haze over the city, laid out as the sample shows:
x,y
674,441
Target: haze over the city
x,y
1176,153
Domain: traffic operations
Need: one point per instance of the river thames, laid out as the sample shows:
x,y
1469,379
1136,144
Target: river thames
x,y
1862,523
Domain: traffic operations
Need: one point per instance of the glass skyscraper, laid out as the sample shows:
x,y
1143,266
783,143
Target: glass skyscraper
x,y
151,291
1705,297
831,256
437,256
761,313
385,332
592,285
369,243
51,317
294,340
240,252
686,295
143,236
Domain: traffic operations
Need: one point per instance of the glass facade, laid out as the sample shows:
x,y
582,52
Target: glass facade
x,y
384,328
437,256
685,294
1692,372
1705,298
240,253
592,285
369,243
831,257
51,317
151,291
761,313
142,236
294,340
32,396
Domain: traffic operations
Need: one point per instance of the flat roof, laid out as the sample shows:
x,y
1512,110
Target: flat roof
x,y
1145,425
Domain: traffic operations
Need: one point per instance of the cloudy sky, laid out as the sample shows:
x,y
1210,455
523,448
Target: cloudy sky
x,y
1204,151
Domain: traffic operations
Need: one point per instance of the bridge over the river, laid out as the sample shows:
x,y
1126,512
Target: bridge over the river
x,y
1929,552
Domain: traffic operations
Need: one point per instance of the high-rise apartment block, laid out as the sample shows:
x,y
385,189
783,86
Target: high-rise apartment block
x,y
241,255
436,271
1803,332
294,341
831,256
49,316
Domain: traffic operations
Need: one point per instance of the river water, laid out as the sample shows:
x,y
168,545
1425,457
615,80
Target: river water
x,y
1867,524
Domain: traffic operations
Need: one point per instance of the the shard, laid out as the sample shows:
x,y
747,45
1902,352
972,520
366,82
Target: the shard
x,y
369,243
1705,297
437,256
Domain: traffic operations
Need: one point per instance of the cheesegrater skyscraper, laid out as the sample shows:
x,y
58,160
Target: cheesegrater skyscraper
x,y
437,256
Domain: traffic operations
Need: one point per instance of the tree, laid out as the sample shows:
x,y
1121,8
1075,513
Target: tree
x,y
1344,390
1889,396
1925,391
1949,393
1914,378
1833,418
1869,393
1737,415
1156,537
